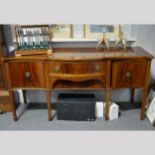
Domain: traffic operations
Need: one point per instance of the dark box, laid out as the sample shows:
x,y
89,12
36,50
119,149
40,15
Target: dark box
x,y
80,107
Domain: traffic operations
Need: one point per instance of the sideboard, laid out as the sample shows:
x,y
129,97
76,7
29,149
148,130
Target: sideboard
x,y
79,68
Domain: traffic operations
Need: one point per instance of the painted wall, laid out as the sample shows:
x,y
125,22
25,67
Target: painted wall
x,y
145,35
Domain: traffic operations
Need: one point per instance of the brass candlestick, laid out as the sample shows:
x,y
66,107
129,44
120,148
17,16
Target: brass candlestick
x,y
121,39
103,43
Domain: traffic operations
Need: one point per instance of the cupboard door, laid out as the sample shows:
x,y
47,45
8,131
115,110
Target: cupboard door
x,y
130,74
26,74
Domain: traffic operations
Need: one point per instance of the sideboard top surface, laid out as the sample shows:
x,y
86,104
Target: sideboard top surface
x,y
85,54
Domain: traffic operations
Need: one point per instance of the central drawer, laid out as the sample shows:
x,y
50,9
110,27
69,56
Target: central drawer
x,y
76,74
77,67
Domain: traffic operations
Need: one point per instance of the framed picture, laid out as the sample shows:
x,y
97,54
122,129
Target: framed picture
x,y
78,31
61,31
150,113
150,95
150,104
96,31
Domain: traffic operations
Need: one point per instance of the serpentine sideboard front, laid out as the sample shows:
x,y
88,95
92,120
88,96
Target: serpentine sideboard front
x,y
79,68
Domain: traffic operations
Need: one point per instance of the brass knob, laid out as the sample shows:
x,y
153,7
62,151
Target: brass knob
x,y
27,75
57,68
128,75
97,68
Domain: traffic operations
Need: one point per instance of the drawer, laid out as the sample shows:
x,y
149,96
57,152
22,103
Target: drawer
x,y
26,74
77,67
128,74
76,74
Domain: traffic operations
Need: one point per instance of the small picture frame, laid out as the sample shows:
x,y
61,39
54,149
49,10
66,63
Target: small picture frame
x,y
151,94
78,31
149,98
150,106
96,31
61,31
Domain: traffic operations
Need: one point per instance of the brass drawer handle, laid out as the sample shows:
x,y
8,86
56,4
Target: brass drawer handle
x,y
128,74
97,68
57,68
27,75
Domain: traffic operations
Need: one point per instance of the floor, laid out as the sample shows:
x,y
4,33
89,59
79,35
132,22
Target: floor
x,y
31,118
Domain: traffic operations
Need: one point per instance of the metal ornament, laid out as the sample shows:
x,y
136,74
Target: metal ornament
x,y
121,39
103,43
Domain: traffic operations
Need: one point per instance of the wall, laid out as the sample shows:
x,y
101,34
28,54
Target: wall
x,y
145,35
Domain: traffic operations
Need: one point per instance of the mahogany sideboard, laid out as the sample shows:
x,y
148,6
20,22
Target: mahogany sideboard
x,y
79,68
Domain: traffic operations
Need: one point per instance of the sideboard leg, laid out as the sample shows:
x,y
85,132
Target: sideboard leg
x,y
132,95
24,96
107,91
48,95
107,95
11,94
145,90
144,96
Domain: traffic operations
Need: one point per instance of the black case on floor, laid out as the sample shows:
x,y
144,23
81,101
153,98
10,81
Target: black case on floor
x,y
79,107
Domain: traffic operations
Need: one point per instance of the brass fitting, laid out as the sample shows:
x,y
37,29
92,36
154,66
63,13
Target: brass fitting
x,y
103,43
120,40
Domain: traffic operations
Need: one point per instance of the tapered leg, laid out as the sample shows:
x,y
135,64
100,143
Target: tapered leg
x,y
107,95
107,91
145,90
24,96
144,96
48,95
132,95
12,105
